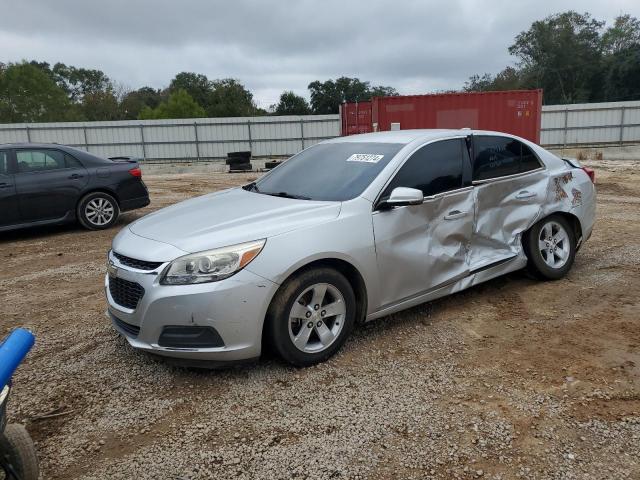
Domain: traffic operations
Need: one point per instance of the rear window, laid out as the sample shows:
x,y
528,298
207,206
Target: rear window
x,y
501,156
330,171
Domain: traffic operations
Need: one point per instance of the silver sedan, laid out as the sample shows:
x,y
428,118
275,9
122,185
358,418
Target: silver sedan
x,y
346,231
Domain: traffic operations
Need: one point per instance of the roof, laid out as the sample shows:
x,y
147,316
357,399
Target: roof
x,y
408,136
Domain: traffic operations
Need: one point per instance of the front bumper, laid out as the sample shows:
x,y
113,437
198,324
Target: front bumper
x,y
235,308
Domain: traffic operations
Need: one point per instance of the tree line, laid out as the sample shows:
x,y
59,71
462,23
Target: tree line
x,y
573,57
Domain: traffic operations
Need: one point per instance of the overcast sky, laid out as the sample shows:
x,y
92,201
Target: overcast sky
x,y
416,46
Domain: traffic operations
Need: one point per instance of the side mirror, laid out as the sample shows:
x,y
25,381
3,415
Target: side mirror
x,y
402,196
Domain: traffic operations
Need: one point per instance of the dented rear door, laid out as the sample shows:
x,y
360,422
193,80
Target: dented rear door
x,y
510,185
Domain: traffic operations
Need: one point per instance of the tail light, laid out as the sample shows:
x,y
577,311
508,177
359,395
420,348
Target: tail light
x,y
136,172
591,172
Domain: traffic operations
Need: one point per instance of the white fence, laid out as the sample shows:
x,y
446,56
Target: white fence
x,y
183,140
613,123
211,138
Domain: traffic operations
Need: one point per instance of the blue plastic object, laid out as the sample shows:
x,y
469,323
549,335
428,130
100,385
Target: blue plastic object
x,y
12,351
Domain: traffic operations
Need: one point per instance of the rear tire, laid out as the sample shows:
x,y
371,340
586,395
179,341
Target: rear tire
x,y
18,450
311,316
550,246
98,211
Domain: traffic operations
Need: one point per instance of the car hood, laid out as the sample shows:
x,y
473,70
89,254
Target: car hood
x,y
229,217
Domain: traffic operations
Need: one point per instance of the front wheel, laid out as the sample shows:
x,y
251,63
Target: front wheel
x,y
311,316
18,454
550,246
98,211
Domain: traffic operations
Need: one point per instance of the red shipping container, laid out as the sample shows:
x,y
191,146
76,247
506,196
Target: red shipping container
x,y
355,118
514,111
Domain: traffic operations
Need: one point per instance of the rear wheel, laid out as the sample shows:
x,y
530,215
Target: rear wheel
x,y
18,453
98,210
311,316
550,246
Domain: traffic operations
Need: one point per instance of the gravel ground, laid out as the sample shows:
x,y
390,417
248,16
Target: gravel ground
x,y
512,378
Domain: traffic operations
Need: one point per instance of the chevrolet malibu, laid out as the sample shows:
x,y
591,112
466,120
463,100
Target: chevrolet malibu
x,y
346,231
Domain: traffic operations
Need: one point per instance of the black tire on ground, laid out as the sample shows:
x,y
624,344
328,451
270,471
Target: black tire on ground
x,y
246,155
277,321
16,446
271,164
95,222
241,167
535,237
236,160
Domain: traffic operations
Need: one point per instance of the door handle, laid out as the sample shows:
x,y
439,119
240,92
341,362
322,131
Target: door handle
x,y
525,194
453,214
75,176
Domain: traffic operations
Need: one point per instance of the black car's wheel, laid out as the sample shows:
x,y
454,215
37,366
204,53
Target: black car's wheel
x,y
18,453
311,316
98,210
550,246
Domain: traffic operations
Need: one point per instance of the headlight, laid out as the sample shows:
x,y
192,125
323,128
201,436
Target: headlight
x,y
212,265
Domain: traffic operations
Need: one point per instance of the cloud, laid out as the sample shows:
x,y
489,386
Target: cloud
x,y
413,45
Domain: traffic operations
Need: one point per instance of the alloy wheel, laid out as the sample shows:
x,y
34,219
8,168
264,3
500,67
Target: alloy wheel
x,y
317,318
554,244
99,211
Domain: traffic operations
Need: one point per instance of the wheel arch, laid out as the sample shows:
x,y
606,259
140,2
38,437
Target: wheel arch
x,y
350,272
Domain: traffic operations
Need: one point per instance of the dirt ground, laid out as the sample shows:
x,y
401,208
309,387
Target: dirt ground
x,y
512,378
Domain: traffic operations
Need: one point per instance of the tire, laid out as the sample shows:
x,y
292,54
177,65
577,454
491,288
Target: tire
x,y
241,167
550,246
90,207
246,155
237,160
271,165
18,450
294,315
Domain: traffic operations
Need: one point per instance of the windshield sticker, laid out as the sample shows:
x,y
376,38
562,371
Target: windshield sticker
x,y
365,157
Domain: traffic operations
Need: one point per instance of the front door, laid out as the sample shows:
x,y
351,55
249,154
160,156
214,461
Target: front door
x,y
8,202
422,247
48,183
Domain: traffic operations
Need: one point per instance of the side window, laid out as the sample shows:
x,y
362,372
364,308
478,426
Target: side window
x,y
4,163
495,157
39,160
435,168
529,161
71,162
500,156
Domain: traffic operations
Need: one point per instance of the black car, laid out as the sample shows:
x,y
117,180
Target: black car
x,y
42,184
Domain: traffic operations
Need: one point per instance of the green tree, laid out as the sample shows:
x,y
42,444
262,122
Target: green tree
x,y
507,79
327,96
133,102
178,105
28,94
80,82
196,85
622,77
101,105
623,35
292,104
563,55
229,98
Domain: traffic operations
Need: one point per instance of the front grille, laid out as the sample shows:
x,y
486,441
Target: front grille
x,y
125,293
134,263
129,329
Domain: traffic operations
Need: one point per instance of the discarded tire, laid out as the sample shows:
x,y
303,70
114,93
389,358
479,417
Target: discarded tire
x,y
246,155
240,167
270,165
237,161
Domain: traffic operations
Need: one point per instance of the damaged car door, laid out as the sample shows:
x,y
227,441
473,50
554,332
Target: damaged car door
x,y
509,185
423,247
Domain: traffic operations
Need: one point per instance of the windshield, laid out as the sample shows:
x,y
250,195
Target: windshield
x,y
329,171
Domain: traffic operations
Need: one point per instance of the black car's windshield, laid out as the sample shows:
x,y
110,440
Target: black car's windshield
x,y
329,171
